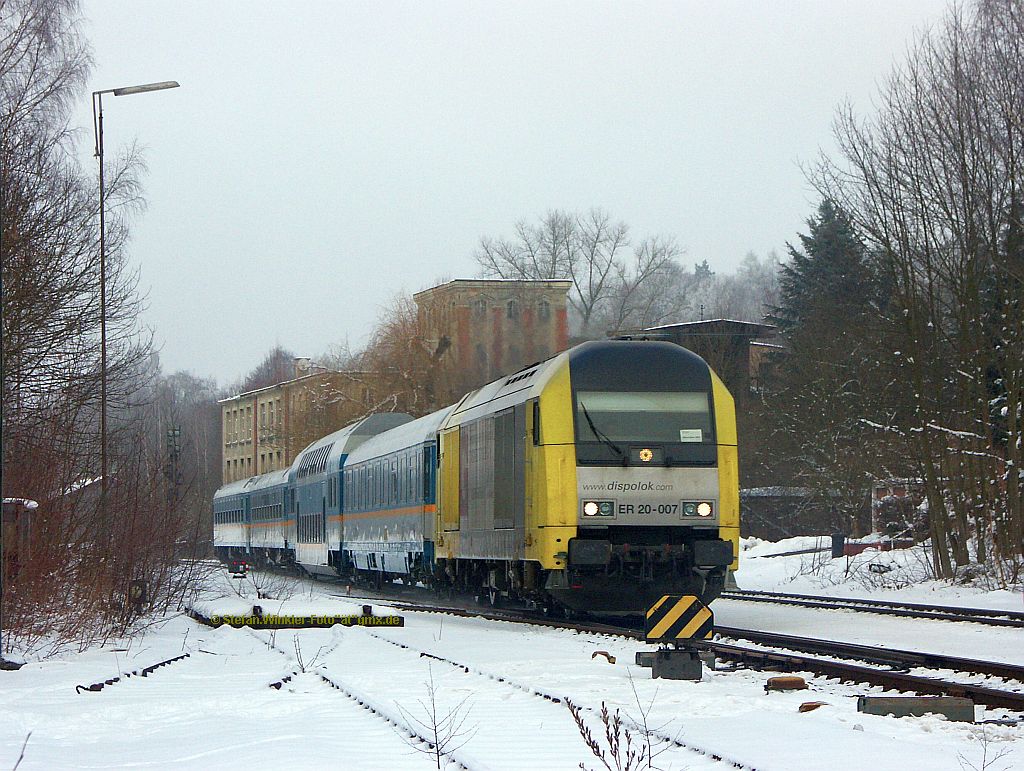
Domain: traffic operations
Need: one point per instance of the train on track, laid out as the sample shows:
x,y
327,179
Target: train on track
x,y
596,481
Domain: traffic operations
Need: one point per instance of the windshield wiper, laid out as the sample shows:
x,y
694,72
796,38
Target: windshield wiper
x,y
602,437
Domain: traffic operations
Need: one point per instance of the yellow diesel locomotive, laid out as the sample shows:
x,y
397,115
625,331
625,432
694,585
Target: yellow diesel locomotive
x,y
598,480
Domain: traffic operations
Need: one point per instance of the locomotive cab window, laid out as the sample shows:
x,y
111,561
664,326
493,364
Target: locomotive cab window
x,y
643,416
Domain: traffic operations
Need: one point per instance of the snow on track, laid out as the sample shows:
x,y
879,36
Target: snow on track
x,y
963,639
214,709
504,727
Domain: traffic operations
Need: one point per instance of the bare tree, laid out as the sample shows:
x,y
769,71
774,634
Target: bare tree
x,y
935,183
405,369
93,563
277,366
446,731
615,749
748,294
612,285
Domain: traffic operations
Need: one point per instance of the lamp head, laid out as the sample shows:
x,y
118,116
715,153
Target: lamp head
x,y
146,87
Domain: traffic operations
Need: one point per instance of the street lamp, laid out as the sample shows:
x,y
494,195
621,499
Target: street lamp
x,y
97,125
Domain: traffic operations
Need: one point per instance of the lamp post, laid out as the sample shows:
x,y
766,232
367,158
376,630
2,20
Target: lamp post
x,y
97,125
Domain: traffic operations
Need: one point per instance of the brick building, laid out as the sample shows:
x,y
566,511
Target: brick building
x,y
481,329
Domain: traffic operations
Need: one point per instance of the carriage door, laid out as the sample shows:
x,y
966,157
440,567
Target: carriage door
x,y
247,524
323,514
448,482
519,453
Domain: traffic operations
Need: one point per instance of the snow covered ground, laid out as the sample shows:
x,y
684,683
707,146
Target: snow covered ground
x,y
816,573
217,707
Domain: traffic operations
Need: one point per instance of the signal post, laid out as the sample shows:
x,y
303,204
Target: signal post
x,y
675,622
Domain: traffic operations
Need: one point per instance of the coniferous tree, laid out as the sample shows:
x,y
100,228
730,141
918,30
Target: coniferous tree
x,y
829,281
829,303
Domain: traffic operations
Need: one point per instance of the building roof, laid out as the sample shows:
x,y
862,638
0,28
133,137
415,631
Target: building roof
x,y
485,283
750,327
350,374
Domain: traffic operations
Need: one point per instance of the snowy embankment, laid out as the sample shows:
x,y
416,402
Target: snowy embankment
x,y
218,706
903,575
816,573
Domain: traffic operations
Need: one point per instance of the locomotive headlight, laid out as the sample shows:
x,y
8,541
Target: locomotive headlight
x,y
599,509
704,509
689,509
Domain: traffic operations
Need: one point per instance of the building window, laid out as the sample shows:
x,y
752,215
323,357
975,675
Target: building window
x,y
479,308
543,310
512,310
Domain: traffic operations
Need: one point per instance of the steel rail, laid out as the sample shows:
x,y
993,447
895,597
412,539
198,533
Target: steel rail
x,y
891,663
988,617
894,661
360,699
892,657
550,697
846,671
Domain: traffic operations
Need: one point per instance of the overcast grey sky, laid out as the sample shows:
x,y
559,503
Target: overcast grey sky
x,y
320,157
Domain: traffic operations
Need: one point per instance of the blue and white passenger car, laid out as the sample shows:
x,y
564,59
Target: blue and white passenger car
x,y
390,499
315,497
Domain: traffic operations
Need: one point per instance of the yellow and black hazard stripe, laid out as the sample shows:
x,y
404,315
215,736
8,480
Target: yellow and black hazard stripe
x,y
675,617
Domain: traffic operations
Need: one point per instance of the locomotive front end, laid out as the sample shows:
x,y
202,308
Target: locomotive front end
x,y
656,478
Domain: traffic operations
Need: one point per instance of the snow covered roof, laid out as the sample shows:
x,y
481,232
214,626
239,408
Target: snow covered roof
x,y
708,322
409,434
28,503
775,492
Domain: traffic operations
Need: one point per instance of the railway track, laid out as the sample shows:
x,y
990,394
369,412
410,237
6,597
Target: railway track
x,y
359,700
655,735
884,667
492,693
1002,618
890,667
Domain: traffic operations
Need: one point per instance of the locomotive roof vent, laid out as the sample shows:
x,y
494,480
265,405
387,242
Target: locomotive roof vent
x,y
521,376
641,336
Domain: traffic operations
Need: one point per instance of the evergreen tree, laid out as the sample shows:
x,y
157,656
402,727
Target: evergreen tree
x,y
828,282
828,314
